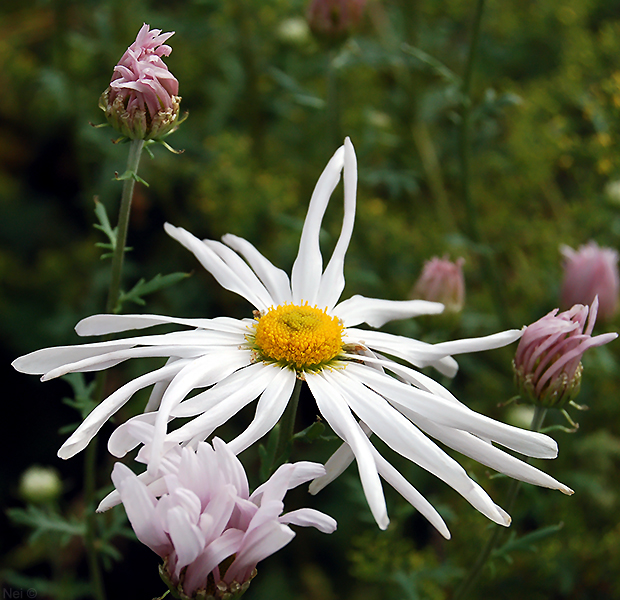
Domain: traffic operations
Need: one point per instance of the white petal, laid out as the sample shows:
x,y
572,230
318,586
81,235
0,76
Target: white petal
x,y
201,372
409,493
332,282
224,275
336,412
488,342
308,517
376,312
243,378
334,467
419,354
101,413
406,439
308,266
275,280
105,324
457,416
238,266
202,426
270,407
487,454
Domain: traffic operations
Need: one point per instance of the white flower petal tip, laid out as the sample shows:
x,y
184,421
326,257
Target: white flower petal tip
x,y
566,490
504,518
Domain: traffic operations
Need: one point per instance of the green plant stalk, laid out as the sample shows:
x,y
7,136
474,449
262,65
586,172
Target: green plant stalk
x,y
90,457
287,424
133,161
498,532
489,269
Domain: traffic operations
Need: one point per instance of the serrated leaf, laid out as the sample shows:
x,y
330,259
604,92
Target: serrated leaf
x,y
143,288
42,522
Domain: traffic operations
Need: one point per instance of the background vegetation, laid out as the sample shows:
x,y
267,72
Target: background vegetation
x,y
268,105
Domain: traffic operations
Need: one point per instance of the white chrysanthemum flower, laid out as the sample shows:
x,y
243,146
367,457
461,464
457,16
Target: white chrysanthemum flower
x,y
301,330
199,516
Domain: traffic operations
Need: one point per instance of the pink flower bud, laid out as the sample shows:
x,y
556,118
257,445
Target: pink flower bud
x,y
141,101
442,281
547,364
334,19
588,272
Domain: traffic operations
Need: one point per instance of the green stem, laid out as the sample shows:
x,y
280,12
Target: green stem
x,y
287,427
133,160
489,268
90,457
499,531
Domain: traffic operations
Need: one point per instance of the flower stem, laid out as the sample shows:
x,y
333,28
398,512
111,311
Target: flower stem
x,y
499,531
90,457
287,427
133,160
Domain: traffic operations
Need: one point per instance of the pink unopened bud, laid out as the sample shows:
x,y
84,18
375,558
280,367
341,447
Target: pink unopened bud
x,y
547,364
588,272
442,281
141,101
334,19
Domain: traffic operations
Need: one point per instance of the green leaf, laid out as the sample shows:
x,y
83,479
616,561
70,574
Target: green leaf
x,y
143,288
526,542
267,453
82,399
43,521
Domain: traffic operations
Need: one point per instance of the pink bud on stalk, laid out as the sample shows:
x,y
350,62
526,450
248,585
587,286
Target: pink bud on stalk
x,y
547,364
334,19
141,101
588,272
442,281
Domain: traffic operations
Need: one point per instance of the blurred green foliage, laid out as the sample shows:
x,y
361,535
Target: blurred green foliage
x,y
267,107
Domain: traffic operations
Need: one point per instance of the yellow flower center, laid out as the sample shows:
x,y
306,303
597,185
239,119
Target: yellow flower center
x,y
299,337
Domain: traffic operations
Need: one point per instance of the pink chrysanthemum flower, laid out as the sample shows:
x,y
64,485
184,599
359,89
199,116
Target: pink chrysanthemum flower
x,y
442,281
142,100
200,518
588,272
548,360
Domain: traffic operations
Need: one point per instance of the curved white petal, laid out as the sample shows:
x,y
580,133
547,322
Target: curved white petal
x,y
224,275
308,517
275,280
335,466
106,323
332,281
271,404
101,413
376,312
486,454
406,439
308,266
203,425
333,407
238,266
457,416
409,493
202,372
